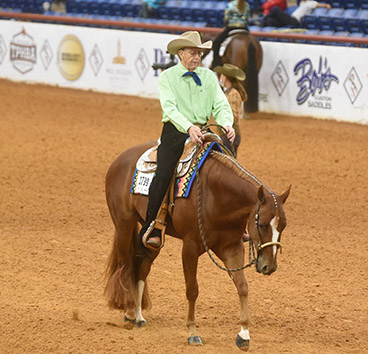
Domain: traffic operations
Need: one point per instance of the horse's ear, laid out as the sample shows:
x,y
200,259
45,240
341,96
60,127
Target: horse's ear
x,y
285,195
261,194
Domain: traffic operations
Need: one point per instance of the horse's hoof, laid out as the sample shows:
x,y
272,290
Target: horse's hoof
x,y
243,344
195,340
128,323
141,323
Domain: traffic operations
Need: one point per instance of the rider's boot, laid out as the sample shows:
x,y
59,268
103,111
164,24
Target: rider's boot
x,y
154,239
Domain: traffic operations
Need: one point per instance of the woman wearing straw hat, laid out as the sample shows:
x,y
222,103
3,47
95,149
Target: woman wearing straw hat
x,y
230,78
189,96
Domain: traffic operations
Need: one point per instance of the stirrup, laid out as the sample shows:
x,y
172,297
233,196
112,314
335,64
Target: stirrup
x,y
161,227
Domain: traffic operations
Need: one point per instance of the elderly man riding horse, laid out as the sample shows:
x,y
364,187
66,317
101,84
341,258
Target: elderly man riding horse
x,y
225,199
189,96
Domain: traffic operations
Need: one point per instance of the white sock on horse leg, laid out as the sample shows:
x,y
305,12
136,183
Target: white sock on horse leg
x,y
244,334
141,285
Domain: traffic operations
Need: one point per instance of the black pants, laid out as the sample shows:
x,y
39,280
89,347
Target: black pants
x,y
280,18
168,155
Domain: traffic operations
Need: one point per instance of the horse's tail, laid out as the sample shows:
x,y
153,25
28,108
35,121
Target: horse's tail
x,y
251,82
122,273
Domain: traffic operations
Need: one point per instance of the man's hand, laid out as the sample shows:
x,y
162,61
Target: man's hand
x,y
195,134
230,133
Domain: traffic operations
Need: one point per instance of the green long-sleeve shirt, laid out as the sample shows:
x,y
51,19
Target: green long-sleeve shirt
x,y
185,103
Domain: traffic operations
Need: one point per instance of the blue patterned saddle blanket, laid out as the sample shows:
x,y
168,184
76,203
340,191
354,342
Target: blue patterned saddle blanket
x,y
185,174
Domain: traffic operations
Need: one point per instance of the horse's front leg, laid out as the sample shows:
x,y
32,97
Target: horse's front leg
x,y
235,261
190,263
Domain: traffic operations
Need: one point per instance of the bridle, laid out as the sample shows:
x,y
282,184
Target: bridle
x,y
261,245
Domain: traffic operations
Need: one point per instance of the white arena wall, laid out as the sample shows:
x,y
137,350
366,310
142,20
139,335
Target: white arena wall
x,y
298,79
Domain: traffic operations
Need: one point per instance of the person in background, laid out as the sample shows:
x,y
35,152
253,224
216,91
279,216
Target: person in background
x,y
279,18
231,77
149,8
268,5
189,95
236,17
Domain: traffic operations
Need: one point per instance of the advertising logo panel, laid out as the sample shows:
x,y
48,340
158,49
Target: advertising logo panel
x,y
280,78
353,85
46,54
71,58
23,52
119,59
96,60
142,64
2,49
313,83
119,74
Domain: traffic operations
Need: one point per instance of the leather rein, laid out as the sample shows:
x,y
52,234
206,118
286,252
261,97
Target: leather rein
x,y
259,247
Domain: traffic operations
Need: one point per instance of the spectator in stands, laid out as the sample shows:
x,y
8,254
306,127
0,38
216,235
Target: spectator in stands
x,y
149,8
236,17
230,79
279,18
189,95
270,4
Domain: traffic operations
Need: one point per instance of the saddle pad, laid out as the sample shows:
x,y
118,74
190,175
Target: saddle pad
x,y
224,45
228,39
142,180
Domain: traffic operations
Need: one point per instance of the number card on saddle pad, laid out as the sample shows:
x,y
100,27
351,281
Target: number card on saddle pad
x,y
185,175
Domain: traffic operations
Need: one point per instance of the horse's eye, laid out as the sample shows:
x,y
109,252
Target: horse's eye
x,y
263,227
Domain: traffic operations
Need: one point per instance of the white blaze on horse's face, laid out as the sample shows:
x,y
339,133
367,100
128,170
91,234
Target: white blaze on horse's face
x,y
275,233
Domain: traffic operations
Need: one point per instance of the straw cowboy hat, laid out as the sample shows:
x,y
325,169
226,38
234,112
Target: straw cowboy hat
x,y
187,39
231,70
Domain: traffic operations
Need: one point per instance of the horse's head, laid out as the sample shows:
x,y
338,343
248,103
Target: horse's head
x,y
266,223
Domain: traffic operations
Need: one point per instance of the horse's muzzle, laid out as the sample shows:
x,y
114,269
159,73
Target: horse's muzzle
x,y
265,268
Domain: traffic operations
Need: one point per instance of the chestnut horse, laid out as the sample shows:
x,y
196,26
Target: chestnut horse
x,y
244,51
224,199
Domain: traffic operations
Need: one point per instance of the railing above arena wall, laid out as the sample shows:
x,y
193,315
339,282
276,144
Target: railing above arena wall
x,y
292,37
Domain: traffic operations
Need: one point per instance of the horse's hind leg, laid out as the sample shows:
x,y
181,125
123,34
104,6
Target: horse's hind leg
x,y
143,301
235,261
142,262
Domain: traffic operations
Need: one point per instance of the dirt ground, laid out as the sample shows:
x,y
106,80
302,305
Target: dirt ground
x,y
55,234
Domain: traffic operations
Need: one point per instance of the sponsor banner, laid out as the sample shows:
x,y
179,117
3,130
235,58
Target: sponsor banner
x,y
328,82
299,79
98,59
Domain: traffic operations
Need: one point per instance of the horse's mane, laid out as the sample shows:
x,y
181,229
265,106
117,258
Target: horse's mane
x,y
240,171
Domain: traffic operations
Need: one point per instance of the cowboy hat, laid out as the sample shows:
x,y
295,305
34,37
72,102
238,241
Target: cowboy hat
x,y
231,70
187,39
